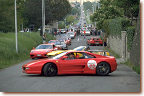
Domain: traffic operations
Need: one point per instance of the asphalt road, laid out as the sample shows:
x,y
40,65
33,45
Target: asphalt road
x,y
122,80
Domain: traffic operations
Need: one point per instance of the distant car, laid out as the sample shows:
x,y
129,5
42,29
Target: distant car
x,y
100,52
22,31
80,48
87,33
56,43
61,45
52,41
72,62
95,41
66,40
42,50
62,31
71,35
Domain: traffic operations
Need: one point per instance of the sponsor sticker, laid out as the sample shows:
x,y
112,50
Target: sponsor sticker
x,y
91,64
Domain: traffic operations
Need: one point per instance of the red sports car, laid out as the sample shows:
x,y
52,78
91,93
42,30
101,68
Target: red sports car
x,y
94,41
42,50
72,62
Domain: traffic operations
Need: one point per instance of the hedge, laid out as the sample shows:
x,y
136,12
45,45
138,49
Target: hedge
x,y
130,36
115,26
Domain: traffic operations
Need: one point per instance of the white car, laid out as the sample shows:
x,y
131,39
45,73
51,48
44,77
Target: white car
x,y
71,34
63,31
87,33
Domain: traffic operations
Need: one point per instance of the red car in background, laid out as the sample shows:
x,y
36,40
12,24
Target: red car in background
x,y
95,41
72,62
42,50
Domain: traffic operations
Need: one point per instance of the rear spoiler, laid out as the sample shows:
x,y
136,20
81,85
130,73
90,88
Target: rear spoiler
x,y
97,51
104,52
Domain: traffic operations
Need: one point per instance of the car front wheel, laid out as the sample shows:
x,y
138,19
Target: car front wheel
x,y
103,69
50,69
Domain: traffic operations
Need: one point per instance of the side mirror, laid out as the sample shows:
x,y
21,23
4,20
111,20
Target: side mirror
x,y
64,57
33,47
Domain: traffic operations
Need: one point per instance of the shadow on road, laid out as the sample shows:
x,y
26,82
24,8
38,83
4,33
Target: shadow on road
x,y
67,75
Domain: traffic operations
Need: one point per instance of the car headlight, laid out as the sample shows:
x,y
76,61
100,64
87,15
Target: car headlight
x,y
32,51
27,68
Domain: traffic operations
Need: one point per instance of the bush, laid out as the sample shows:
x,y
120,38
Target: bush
x,y
130,36
26,41
115,26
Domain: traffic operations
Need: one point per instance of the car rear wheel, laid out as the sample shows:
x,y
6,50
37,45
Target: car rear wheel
x,y
103,69
50,69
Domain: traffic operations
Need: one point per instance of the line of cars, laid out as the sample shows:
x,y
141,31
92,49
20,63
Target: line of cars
x,y
80,60
41,50
59,60
60,44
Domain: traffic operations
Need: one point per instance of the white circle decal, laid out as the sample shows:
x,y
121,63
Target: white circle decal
x,y
92,64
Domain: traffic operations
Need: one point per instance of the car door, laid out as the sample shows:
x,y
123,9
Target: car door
x,y
72,66
90,63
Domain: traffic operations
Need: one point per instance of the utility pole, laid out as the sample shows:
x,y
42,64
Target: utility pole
x,y
65,23
43,17
16,27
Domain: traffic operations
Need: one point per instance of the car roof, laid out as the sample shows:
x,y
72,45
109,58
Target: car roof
x,y
48,44
52,40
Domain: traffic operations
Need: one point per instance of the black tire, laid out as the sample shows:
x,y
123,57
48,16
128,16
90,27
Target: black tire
x,y
103,69
50,69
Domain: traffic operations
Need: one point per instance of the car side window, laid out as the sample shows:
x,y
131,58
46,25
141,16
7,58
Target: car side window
x,y
71,56
88,56
82,55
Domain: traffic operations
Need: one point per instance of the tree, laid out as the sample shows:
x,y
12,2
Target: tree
x,y
55,10
107,11
7,15
87,5
70,19
130,7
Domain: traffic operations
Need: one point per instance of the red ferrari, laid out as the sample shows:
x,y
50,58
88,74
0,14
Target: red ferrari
x,y
94,41
72,62
42,50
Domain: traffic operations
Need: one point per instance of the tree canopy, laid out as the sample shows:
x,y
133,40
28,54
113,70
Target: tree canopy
x,y
30,11
111,9
54,10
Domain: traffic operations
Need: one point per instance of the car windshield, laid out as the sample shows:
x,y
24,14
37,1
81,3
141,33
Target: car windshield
x,y
57,43
79,48
44,47
70,33
51,41
59,56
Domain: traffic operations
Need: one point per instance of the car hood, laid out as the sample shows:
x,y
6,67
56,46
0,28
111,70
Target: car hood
x,y
39,61
56,52
71,35
41,50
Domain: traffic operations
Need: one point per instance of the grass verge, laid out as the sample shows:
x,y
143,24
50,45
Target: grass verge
x,y
135,68
112,52
26,41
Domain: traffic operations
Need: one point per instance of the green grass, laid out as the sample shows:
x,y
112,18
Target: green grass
x,y
26,41
112,52
135,68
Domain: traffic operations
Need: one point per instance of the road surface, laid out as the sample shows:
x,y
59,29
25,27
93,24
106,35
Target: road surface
x,y
122,80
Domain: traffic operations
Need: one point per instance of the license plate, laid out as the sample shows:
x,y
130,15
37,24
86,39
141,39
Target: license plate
x,y
38,55
96,43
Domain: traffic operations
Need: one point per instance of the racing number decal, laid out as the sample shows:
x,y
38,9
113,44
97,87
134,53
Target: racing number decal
x,y
92,64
